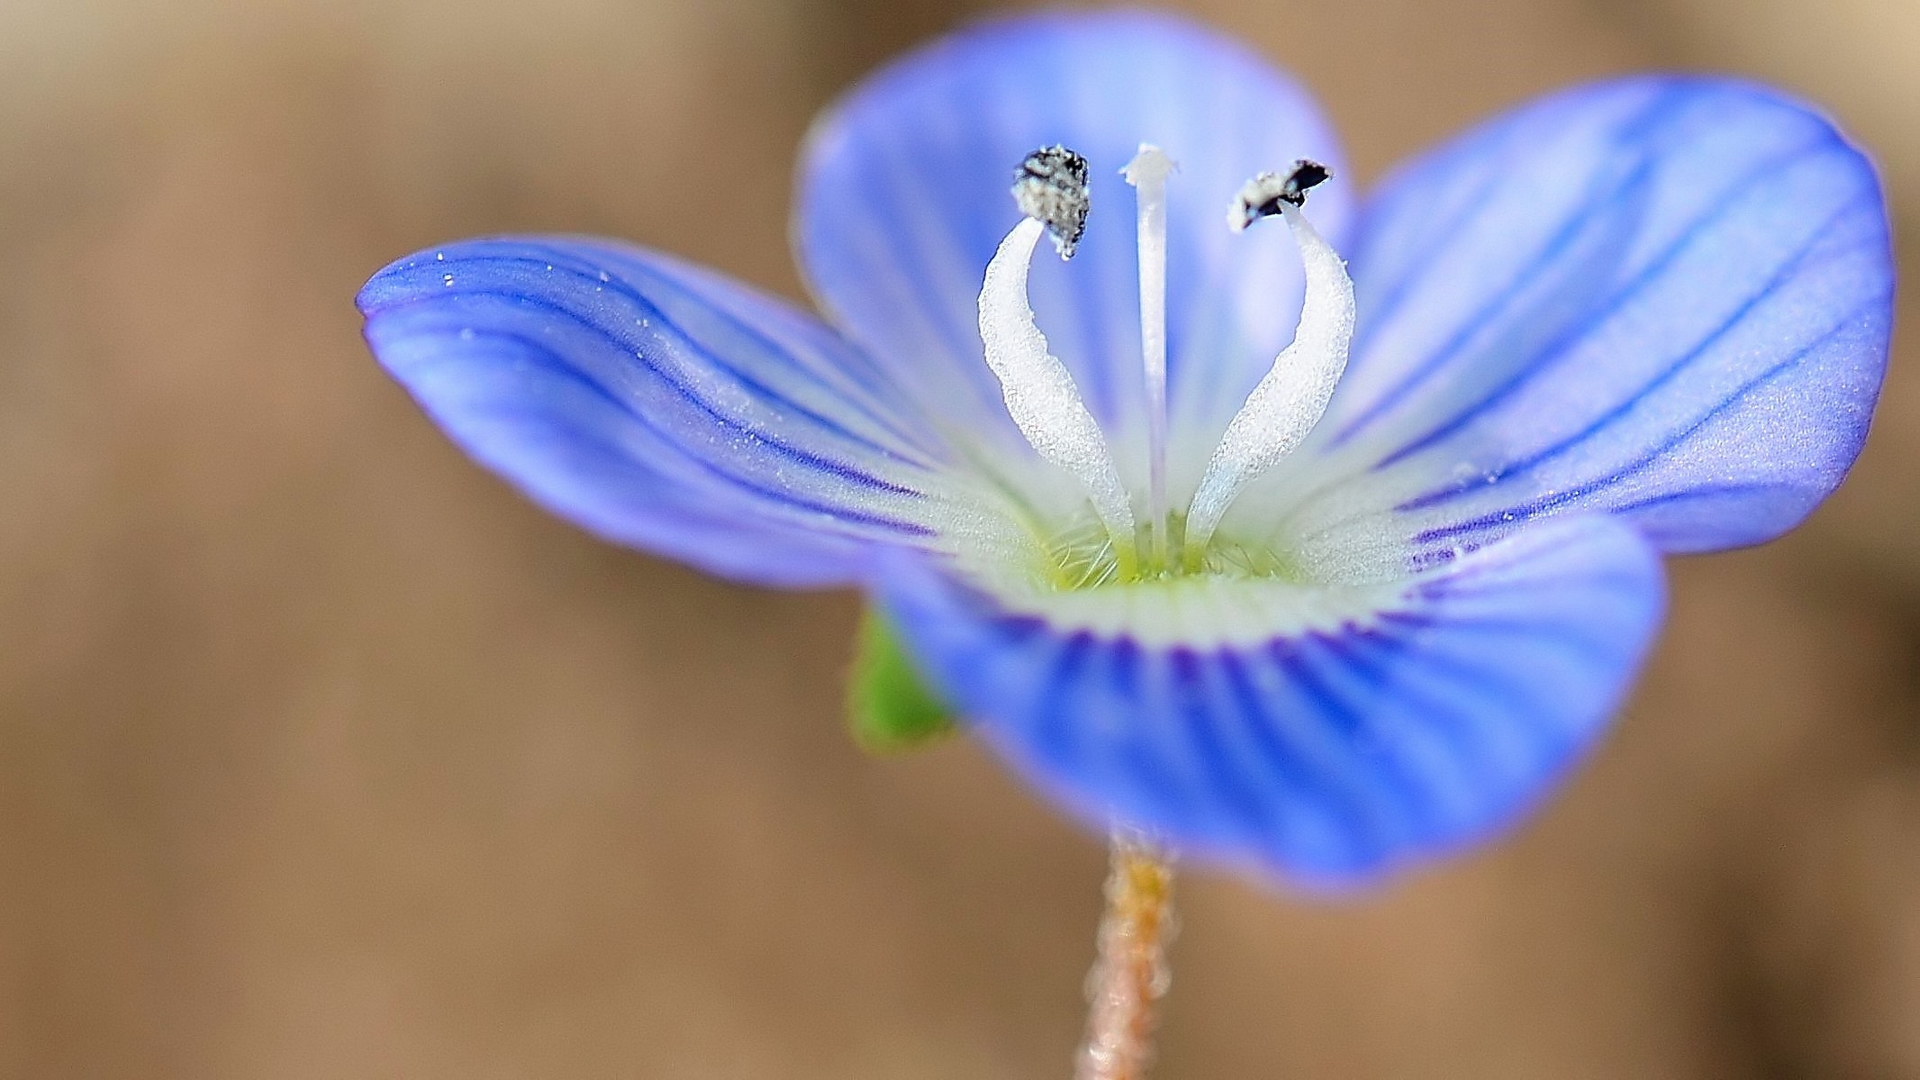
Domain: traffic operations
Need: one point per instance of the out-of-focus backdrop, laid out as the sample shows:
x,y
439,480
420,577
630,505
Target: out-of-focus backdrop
x,y
322,754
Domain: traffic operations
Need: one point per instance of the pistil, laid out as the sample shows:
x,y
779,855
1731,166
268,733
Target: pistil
x,y
1147,172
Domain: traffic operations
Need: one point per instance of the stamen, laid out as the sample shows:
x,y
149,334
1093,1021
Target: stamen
x,y
1293,396
1147,172
1051,189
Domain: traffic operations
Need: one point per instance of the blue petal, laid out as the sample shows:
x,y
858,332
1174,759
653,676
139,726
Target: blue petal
x,y
904,197
1330,755
658,405
1668,298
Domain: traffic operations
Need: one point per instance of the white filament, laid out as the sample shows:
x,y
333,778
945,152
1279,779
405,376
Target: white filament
x,y
1292,397
1147,172
1039,391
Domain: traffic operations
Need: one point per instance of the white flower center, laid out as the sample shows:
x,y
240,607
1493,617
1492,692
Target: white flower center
x,y
1046,406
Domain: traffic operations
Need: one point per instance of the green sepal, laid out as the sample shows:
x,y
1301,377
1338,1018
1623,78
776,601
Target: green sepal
x,y
890,709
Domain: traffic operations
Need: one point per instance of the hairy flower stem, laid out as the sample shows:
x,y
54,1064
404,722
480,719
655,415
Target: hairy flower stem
x,y
1130,974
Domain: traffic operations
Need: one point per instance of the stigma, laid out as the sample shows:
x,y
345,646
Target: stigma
x,y
1051,191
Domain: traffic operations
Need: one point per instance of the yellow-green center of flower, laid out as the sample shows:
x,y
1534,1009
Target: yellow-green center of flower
x,y
1086,557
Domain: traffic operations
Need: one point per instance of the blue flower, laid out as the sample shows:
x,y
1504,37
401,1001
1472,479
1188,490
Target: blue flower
x,y
1638,317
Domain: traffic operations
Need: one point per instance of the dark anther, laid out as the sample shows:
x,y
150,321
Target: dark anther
x,y
1306,176
1262,195
1051,186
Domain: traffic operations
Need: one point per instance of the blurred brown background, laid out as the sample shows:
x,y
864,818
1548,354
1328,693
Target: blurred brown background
x,y
324,755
